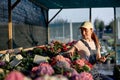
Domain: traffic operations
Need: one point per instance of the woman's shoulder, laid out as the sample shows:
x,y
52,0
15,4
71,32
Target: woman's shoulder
x,y
79,42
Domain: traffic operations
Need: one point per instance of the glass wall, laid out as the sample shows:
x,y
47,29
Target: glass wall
x,y
65,26
103,20
118,35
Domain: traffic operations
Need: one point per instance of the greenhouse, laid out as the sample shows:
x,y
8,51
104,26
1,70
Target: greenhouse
x,y
34,46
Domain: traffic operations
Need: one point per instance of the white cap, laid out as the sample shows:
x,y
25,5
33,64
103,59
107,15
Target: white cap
x,y
87,25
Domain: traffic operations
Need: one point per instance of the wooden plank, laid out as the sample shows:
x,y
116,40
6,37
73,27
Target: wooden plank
x,y
16,50
27,49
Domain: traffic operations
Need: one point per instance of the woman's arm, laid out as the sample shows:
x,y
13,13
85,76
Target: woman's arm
x,y
71,51
100,58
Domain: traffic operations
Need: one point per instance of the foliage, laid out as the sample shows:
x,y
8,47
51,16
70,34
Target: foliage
x,y
75,56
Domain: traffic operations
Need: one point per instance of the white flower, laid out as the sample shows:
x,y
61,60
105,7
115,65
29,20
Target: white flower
x,y
19,57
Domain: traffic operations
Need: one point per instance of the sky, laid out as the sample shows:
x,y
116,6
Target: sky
x,y
80,15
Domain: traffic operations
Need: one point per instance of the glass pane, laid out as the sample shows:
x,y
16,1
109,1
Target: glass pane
x,y
64,27
103,20
118,35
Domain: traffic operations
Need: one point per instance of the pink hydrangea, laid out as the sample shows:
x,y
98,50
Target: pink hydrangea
x,y
43,69
34,69
68,60
15,75
89,64
82,76
85,76
70,73
79,62
60,58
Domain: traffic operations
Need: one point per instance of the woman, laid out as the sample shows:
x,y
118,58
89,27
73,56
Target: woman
x,y
88,47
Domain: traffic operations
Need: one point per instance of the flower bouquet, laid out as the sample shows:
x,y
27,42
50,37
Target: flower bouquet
x,y
82,76
56,65
82,65
44,68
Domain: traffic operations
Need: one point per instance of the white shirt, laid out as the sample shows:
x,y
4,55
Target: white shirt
x,y
82,49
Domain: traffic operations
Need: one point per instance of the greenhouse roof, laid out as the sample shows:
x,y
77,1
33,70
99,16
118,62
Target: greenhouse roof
x,y
57,4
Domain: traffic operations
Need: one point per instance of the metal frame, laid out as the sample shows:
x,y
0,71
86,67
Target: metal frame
x,y
54,16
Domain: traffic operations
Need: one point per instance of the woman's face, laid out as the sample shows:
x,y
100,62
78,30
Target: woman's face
x,y
86,33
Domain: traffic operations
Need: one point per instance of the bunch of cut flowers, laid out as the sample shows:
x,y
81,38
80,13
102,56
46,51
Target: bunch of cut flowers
x,y
54,48
42,69
82,65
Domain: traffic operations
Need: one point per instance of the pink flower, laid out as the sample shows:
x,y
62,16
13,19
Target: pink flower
x,y
43,69
64,47
82,76
89,64
14,75
74,72
79,62
85,76
34,69
60,58
40,78
68,60
62,64
70,73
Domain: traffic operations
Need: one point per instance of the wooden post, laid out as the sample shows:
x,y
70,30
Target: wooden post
x,y
10,8
10,45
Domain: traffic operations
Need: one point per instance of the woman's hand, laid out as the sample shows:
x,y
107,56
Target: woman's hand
x,y
102,59
71,52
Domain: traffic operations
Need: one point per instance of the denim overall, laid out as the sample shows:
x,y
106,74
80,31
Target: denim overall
x,y
92,60
92,57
